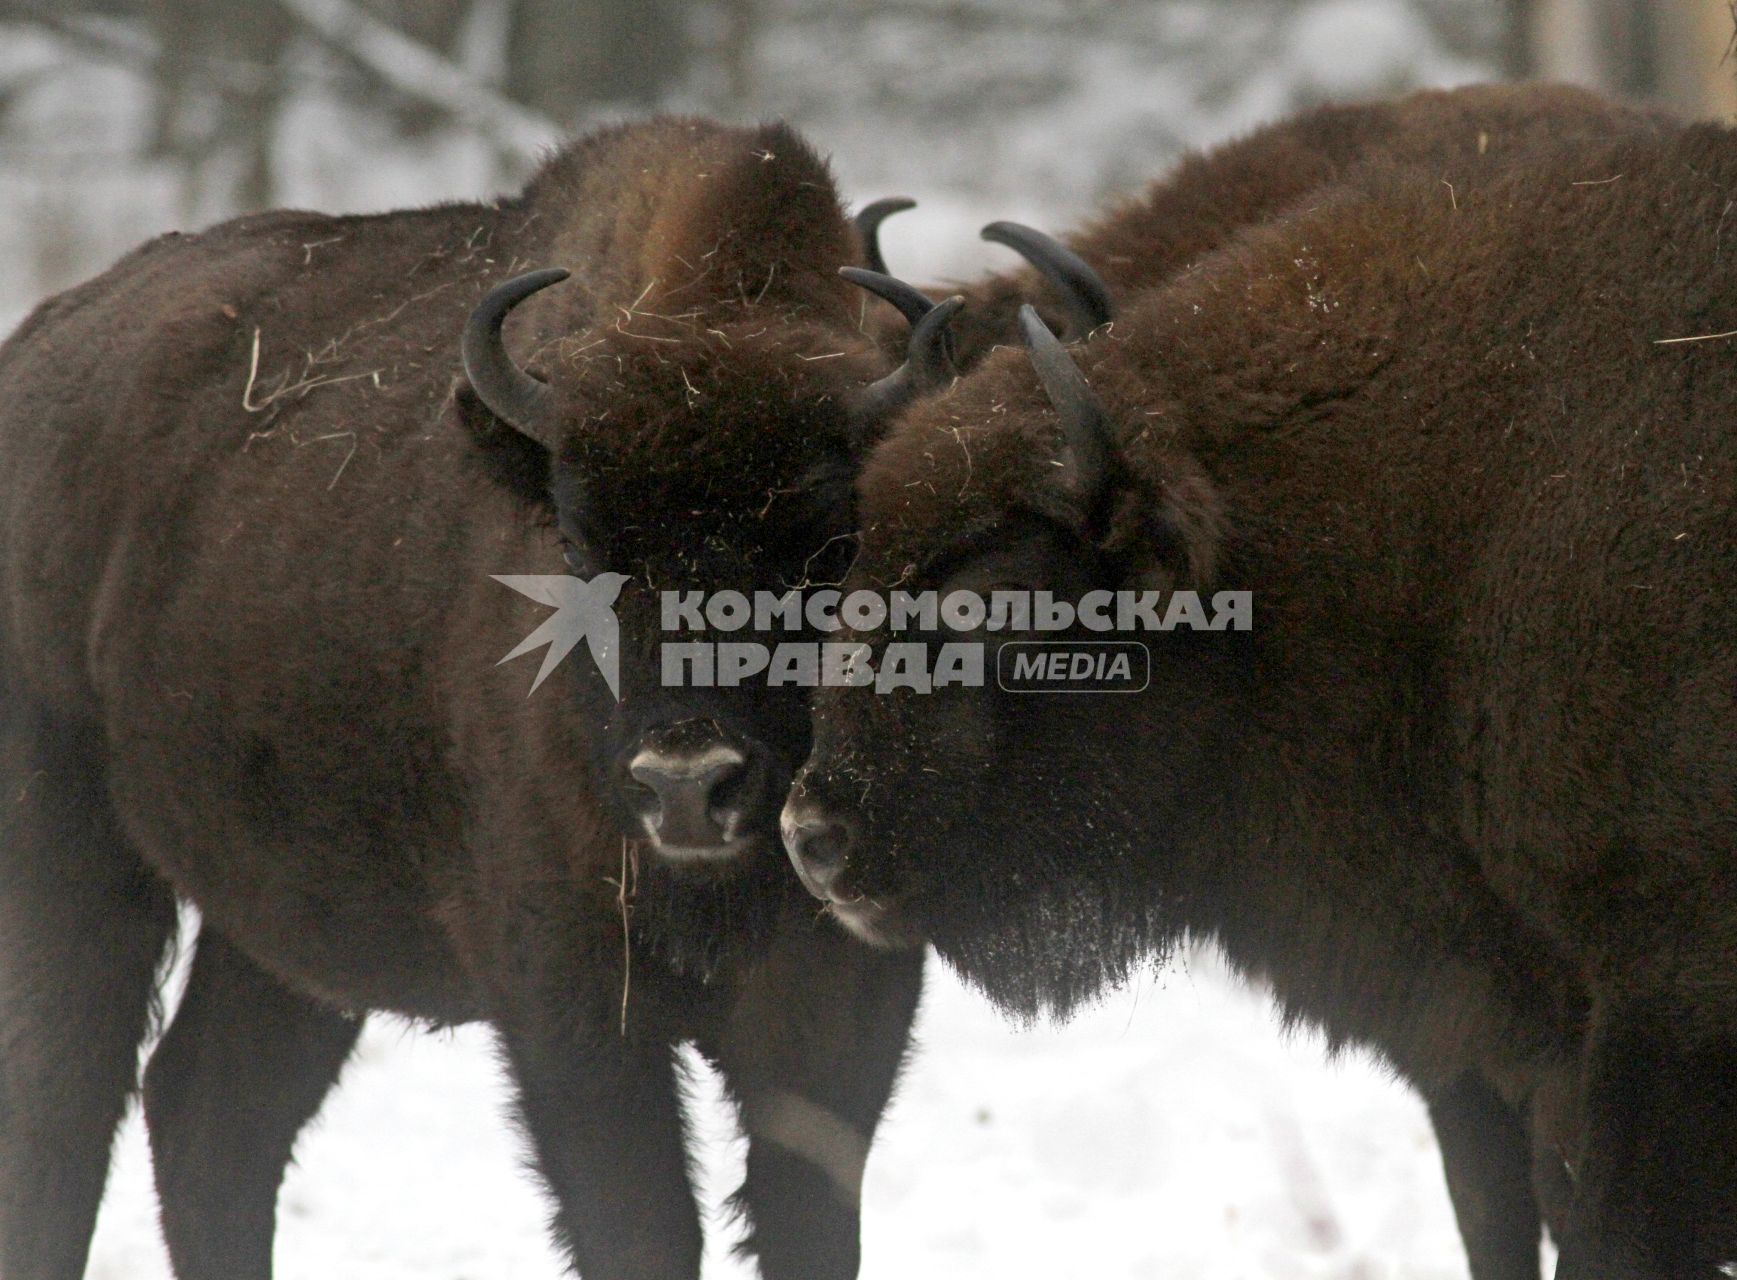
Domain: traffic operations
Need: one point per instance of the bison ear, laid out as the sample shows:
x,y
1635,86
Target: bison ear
x,y
1165,527
511,458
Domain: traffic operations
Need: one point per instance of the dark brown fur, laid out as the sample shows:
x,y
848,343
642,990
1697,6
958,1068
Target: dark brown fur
x,y
1465,794
248,640
1204,203
1210,196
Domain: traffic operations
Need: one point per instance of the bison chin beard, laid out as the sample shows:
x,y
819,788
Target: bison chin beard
x,y
1042,931
702,921
1048,956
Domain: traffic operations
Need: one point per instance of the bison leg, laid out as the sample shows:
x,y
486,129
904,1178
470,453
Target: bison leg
x,y
603,1113
244,1065
83,924
811,1052
1486,1154
1656,1189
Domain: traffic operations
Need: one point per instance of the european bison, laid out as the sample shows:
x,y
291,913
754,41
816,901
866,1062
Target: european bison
x,y
1209,199
248,650
1464,792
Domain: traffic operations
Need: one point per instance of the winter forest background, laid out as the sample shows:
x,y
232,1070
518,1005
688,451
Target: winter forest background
x,y
122,118
1169,1133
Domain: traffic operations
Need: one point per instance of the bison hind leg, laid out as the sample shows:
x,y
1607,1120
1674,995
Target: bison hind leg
x,y
1656,1194
83,925
245,1064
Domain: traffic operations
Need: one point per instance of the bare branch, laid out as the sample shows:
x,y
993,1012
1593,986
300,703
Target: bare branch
x,y
414,69
125,44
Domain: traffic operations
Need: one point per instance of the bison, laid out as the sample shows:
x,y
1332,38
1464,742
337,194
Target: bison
x,y
1463,793
248,660
1209,199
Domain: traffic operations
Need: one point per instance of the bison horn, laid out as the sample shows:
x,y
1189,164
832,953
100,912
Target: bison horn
x,y
509,393
868,228
928,363
1085,426
1082,289
912,302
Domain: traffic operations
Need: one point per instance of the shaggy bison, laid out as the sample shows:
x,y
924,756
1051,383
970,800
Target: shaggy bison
x,y
248,659
1209,199
1464,791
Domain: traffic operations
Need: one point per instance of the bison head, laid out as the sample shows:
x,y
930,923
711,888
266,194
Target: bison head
x,y
701,440
1018,831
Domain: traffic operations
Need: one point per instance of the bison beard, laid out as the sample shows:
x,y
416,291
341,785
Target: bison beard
x,y
248,650
699,922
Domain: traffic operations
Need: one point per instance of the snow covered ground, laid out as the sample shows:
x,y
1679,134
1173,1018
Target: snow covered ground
x,y
1168,1134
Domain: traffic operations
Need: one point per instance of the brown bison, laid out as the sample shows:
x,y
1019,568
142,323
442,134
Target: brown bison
x,y
1208,200
248,659
1464,791
1210,196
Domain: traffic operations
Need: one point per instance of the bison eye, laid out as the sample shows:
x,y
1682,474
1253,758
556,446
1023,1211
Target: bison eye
x,y
581,560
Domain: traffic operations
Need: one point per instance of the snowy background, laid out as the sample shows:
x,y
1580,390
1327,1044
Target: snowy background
x,y
1169,1132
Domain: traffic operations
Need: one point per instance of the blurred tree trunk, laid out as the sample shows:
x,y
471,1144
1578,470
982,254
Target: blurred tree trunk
x,y
1695,72
435,23
736,52
218,90
563,54
1672,53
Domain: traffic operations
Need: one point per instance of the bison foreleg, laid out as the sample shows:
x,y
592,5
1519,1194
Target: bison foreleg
x,y
603,1114
1487,1157
813,1047
83,924
244,1065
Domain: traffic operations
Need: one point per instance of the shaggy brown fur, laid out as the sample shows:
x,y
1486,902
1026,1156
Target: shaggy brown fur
x,y
1211,195
248,640
1209,199
1465,793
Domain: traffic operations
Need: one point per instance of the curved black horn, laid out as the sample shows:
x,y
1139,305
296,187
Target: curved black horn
x,y
508,391
1085,426
912,303
1087,297
868,228
927,367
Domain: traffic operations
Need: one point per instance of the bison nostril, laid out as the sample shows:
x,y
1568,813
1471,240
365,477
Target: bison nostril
x,y
826,845
729,792
819,845
685,799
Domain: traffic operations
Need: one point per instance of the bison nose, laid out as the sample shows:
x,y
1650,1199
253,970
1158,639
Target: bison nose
x,y
691,810
819,844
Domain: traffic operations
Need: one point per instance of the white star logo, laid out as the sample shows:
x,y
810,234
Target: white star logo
x,y
583,611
